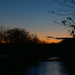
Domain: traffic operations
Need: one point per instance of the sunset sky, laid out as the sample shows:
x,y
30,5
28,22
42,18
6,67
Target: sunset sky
x,y
33,16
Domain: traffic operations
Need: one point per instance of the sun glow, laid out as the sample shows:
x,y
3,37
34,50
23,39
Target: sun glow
x,y
50,40
53,41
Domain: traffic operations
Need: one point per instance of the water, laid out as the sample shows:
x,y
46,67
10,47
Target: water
x,y
50,66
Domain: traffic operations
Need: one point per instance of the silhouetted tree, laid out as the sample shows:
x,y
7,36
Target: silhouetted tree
x,y
35,39
70,23
17,35
3,33
69,11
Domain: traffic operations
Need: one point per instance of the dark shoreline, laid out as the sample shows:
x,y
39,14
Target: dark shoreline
x,y
16,56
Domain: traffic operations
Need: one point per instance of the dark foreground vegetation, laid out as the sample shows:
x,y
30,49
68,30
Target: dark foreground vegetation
x,y
20,50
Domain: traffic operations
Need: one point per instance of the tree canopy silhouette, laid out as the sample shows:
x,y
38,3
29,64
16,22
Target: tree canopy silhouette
x,y
69,11
70,20
17,35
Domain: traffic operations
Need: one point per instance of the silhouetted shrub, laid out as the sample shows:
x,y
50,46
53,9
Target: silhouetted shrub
x,y
3,33
17,35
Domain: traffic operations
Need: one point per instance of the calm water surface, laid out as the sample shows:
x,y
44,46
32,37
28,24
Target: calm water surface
x,y
49,67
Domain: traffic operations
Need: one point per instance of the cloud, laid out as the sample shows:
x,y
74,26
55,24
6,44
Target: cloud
x,y
59,38
49,37
65,38
62,38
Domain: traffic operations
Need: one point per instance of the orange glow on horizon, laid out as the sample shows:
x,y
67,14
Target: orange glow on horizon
x,y
41,40
3,42
53,41
46,41
50,40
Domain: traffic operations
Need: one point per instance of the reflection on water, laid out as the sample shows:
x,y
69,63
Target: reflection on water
x,y
47,68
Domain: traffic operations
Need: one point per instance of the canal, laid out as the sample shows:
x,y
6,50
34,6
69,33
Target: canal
x,y
50,66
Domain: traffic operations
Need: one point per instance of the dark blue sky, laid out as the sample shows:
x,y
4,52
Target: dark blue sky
x,y
31,15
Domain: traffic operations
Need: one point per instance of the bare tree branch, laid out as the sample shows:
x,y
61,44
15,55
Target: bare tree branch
x,y
69,22
65,4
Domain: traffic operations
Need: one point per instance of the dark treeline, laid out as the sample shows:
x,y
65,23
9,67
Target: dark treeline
x,y
68,54
19,50
17,35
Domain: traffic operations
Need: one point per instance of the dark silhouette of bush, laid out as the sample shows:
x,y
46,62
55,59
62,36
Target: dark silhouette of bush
x,y
3,33
17,35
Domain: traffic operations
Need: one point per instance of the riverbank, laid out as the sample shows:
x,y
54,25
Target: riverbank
x,y
14,57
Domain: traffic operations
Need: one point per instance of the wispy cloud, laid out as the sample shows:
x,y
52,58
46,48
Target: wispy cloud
x,y
63,38
59,38
49,37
